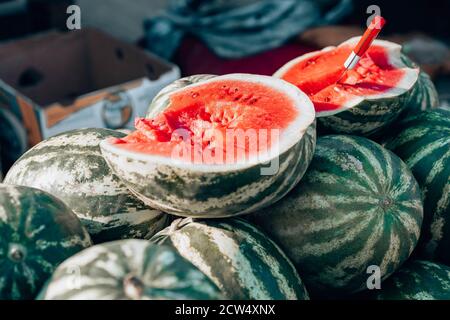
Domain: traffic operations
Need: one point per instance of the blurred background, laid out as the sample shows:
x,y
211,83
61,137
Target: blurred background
x,y
55,76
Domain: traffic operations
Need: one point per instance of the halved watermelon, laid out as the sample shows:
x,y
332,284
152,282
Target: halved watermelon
x,y
369,97
217,146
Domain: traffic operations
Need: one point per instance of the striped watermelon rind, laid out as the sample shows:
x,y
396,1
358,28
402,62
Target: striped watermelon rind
x,y
417,280
71,167
38,232
357,205
131,270
370,115
237,257
424,95
423,142
215,191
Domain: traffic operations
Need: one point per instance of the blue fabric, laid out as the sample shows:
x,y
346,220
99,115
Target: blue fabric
x,y
239,28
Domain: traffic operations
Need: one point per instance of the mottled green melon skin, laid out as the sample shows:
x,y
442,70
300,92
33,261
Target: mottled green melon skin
x,y
357,205
423,142
417,280
237,257
70,166
368,118
44,231
108,272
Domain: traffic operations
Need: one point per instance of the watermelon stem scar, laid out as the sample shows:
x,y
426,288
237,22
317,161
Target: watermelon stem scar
x,y
17,252
133,287
386,202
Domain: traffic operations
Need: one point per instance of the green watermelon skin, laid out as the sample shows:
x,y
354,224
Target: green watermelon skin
x,y
367,119
237,257
37,233
423,142
128,270
71,167
358,205
417,280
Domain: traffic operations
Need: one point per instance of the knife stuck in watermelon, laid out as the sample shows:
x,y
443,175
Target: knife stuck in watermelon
x,y
364,43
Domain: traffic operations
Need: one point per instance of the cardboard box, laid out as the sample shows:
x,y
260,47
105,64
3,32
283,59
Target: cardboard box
x,y
56,82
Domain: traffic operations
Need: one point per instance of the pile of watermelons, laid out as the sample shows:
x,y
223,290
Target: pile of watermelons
x,y
361,212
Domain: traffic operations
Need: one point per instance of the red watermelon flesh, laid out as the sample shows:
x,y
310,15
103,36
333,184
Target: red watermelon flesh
x,y
317,73
212,110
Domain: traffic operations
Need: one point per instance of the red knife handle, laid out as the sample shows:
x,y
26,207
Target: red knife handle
x,y
371,33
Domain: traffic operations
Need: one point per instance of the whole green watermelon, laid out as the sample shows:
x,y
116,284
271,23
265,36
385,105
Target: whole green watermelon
x,y
357,206
237,257
417,280
128,270
423,142
37,233
71,167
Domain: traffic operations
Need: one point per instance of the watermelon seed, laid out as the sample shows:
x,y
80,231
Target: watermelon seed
x,y
247,97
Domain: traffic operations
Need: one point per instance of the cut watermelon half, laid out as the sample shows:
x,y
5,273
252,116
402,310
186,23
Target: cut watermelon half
x,y
203,149
199,120
367,99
